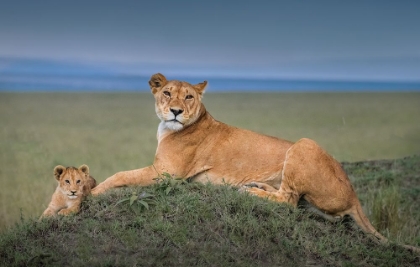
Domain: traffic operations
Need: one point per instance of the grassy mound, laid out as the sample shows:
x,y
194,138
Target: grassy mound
x,y
174,223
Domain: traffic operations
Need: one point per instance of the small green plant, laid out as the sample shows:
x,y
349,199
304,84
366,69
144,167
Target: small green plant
x,y
138,202
167,183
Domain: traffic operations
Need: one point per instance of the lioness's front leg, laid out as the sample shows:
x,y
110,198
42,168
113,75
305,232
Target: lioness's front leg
x,y
141,177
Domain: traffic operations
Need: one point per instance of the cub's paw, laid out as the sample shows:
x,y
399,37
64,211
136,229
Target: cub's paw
x,y
65,212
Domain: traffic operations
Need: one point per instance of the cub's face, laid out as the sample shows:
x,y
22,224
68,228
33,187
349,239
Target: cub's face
x,y
71,180
177,103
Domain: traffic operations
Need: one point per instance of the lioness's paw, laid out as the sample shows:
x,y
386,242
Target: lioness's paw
x,y
261,186
97,191
242,189
250,185
247,187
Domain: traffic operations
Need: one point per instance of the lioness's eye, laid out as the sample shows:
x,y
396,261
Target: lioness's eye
x,y
67,181
166,93
189,97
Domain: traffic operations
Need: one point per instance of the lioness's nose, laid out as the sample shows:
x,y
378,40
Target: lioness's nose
x,y
176,111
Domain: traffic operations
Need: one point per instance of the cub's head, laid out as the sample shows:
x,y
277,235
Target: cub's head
x,y
71,180
177,103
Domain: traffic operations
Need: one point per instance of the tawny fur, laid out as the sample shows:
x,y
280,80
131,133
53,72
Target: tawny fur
x,y
73,185
195,146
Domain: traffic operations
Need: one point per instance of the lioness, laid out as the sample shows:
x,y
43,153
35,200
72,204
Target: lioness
x,y
193,145
73,185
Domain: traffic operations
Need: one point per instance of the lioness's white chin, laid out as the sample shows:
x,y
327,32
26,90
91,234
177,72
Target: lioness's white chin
x,y
72,197
174,125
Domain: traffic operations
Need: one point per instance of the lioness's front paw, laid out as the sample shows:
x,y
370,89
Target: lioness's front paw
x,y
97,190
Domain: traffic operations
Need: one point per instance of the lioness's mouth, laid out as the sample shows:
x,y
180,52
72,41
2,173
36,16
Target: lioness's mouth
x,y
174,120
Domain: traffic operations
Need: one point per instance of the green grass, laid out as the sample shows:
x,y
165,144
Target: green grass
x,y
390,192
193,225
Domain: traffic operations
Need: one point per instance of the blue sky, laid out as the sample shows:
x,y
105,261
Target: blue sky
x,y
341,40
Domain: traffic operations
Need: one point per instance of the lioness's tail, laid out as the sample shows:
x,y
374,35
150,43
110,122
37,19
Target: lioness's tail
x,y
363,222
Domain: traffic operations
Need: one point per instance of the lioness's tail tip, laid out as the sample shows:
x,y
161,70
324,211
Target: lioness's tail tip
x,y
412,248
363,222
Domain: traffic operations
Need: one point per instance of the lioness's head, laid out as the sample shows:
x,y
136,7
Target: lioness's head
x,y
177,103
71,180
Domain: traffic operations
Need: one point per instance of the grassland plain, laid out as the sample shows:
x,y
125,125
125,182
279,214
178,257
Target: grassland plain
x,y
117,131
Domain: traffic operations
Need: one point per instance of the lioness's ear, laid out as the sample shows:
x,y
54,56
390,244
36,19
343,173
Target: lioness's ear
x,y
156,82
200,87
85,169
58,170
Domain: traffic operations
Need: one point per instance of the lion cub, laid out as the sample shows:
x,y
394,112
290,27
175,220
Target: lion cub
x,y
73,185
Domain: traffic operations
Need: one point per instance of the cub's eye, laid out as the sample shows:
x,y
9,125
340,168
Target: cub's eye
x,y
189,97
166,93
67,182
78,182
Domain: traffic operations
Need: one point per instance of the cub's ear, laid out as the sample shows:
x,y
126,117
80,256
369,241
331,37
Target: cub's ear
x,y
85,169
200,87
156,82
58,170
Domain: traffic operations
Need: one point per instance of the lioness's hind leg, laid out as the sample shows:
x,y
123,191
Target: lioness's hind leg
x,y
318,212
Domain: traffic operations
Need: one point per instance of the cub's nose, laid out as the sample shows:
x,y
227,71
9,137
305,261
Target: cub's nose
x,y
176,111
73,192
